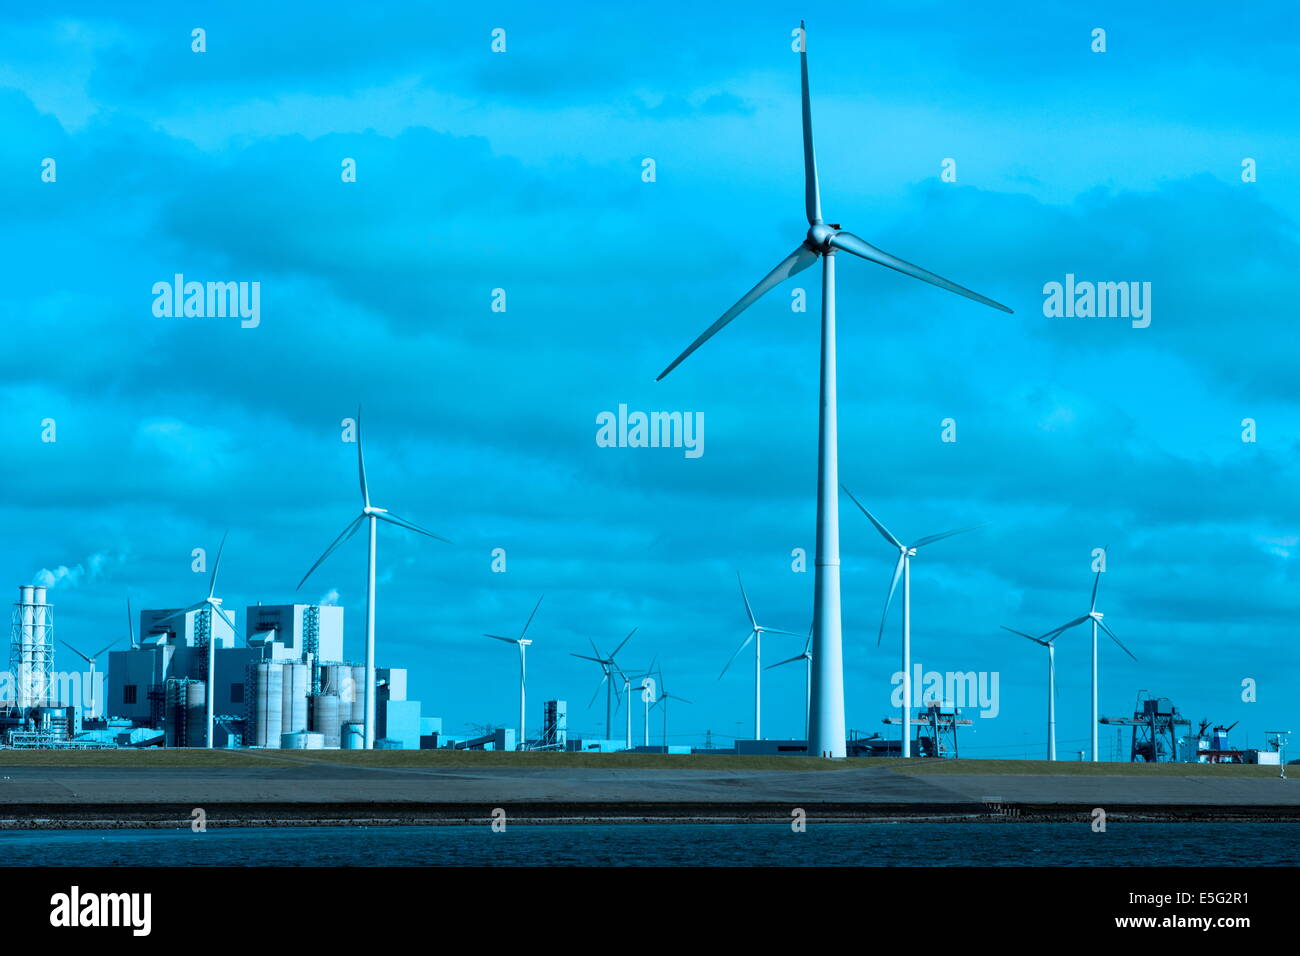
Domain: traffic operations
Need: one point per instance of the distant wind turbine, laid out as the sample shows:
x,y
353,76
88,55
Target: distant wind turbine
x,y
1095,617
756,636
371,515
607,669
664,698
91,661
1050,644
903,569
806,657
207,606
823,240
130,625
522,643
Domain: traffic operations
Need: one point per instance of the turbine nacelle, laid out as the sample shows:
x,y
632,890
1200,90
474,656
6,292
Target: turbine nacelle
x,y
372,510
820,236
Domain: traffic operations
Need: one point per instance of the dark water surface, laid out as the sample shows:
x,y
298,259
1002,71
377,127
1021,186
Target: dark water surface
x,y
873,844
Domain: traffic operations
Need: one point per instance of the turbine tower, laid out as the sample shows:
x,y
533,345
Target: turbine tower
x,y
904,569
91,661
756,635
1050,644
823,241
607,668
209,605
806,657
522,643
1095,617
372,516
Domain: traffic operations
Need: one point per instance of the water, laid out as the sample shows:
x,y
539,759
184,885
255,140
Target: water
x,y
871,844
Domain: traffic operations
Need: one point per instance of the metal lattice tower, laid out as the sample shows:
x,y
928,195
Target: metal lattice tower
x,y
311,643
31,648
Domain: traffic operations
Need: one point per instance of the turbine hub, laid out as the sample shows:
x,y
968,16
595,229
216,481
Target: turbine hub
x,y
819,236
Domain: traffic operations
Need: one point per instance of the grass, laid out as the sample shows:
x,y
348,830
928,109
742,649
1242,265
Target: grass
x,y
465,760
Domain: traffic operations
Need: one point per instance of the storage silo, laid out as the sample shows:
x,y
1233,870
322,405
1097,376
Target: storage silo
x,y
196,714
325,717
268,701
296,683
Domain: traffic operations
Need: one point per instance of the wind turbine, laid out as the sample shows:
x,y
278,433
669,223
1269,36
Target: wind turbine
x,y
207,606
903,569
823,240
522,643
91,661
1095,617
647,700
756,636
372,516
607,668
1050,644
664,697
806,657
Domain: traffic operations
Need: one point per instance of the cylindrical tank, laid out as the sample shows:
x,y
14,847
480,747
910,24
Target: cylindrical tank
x,y
269,700
294,740
297,681
353,737
196,714
325,718
359,694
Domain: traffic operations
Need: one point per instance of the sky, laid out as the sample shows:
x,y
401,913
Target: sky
x,y
523,171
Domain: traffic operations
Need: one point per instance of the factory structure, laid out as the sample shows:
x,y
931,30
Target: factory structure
x,y
287,686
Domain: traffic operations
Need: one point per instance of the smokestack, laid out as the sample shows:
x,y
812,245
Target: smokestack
x,y
31,651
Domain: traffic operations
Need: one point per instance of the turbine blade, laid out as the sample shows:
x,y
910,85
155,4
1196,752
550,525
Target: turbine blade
x,y
790,660
893,586
748,610
931,538
571,654
603,678
361,463
347,532
408,525
872,518
225,616
1105,627
182,612
531,616
107,646
130,621
743,645
851,243
1096,582
212,585
1028,637
777,630
75,651
508,640
812,194
797,261
1057,632
594,648
620,646
684,700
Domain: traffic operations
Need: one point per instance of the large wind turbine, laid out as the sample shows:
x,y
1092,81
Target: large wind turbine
x,y
806,657
756,636
91,661
371,515
823,240
1095,617
207,606
607,668
522,643
903,569
1050,644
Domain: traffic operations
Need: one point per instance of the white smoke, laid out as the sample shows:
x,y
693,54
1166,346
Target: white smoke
x,y
69,577
329,598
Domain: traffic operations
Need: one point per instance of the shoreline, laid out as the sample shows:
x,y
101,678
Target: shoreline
x,y
92,817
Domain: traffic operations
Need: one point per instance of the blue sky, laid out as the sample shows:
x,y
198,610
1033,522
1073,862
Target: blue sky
x,y
522,171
